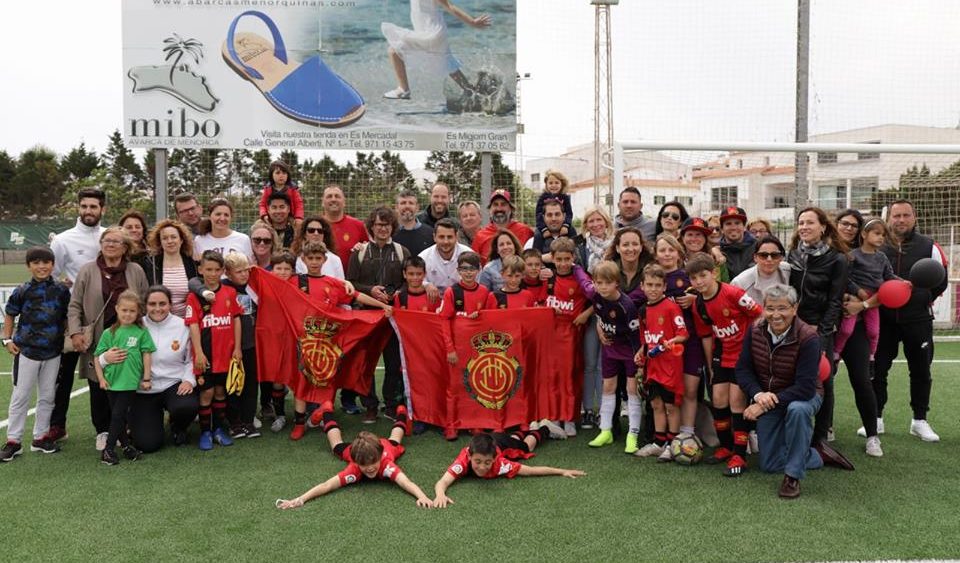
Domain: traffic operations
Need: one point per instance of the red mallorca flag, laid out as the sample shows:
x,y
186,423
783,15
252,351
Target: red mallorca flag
x,y
505,373
312,348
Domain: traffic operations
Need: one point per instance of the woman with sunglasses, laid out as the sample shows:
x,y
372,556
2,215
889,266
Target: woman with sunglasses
x,y
769,269
856,351
265,241
317,229
670,218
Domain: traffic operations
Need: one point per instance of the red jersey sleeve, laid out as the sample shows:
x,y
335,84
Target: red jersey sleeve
x,y
447,312
264,196
350,474
679,326
296,202
461,465
491,302
503,467
746,303
194,311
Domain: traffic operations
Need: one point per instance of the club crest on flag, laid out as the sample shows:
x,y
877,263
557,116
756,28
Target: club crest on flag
x,y
318,356
492,377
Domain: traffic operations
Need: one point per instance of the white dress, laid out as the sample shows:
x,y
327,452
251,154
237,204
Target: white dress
x,y
428,36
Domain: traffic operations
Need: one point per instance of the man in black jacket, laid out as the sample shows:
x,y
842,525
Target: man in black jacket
x,y
911,324
737,244
376,269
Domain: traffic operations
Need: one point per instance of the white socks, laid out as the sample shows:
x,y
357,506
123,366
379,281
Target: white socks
x,y
633,413
607,405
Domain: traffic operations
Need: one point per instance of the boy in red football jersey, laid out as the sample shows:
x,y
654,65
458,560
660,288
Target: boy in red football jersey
x,y
489,456
723,312
215,336
326,292
413,295
662,327
465,299
532,271
368,458
511,295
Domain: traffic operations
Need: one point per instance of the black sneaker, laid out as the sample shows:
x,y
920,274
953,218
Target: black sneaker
x,y
131,453
44,446
251,431
390,412
10,450
109,457
239,431
179,439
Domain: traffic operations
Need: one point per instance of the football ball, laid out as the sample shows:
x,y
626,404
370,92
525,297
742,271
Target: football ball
x,y
687,449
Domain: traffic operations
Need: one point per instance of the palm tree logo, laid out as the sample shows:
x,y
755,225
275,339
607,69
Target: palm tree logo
x,y
177,79
176,46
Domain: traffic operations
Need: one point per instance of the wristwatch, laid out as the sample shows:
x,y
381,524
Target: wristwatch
x,y
6,341
866,305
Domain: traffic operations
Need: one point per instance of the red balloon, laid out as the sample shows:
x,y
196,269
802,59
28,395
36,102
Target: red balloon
x,y
894,294
824,368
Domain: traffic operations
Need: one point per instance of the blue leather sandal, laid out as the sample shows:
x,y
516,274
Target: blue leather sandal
x,y
309,92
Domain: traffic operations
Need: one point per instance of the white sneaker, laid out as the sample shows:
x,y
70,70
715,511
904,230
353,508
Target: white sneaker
x,y
921,429
556,431
650,450
830,435
873,447
278,424
666,455
257,424
570,429
101,443
862,432
753,443
397,94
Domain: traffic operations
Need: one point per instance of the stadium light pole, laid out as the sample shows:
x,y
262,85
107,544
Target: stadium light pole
x,y
801,191
603,101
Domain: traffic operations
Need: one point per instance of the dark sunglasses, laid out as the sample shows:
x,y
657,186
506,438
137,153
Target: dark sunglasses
x,y
467,268
769,255
669,215
258,240
315,230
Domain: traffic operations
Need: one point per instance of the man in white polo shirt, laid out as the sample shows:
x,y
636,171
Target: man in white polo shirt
x,y
441,258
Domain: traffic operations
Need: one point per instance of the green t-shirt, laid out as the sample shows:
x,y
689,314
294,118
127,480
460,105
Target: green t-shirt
x,y
135,340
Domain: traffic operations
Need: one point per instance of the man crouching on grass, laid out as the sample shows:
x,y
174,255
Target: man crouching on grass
x,y
778,368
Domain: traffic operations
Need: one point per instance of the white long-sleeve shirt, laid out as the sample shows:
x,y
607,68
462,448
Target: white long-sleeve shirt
x,y
173,360
442,273
74,249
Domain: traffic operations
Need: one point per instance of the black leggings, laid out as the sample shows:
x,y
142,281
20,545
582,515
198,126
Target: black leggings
x,y
120,402
856,356
243,407
146,416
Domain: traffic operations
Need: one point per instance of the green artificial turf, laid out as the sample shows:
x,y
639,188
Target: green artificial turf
x,y
186,505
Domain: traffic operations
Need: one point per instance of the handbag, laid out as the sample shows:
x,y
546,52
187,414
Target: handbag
x,y
86,330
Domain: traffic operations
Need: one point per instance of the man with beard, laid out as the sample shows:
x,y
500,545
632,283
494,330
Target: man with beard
x,y
631,214
73,249
441,259
413,234
347,230
278,214
501,217
554,220
737,244
188,211
439,207
470,219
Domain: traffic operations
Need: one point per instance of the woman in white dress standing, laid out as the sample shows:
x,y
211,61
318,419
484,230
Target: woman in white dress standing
x,y
429,37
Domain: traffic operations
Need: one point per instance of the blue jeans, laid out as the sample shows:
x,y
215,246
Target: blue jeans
x,y
784,436
592,381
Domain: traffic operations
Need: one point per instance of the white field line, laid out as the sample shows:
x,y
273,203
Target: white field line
x,y
31,412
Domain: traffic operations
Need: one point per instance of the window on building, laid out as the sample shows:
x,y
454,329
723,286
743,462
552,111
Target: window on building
x,y
723,196
686,201
659,199
779,196
832,196
862,190
826,158
869,155
535,178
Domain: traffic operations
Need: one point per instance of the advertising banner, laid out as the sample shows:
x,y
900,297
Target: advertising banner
x,y
364,75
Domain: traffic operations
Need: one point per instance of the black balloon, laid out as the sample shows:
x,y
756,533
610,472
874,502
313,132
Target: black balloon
x,y
927,273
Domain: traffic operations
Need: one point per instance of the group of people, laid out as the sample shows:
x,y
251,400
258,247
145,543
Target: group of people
x,y
666,310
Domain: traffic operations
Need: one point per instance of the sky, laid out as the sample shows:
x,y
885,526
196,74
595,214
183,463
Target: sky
x,y
683,69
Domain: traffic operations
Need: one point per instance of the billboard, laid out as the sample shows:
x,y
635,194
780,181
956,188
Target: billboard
x,y
320,74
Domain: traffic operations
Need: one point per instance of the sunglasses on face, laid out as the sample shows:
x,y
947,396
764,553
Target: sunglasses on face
x,y
847,225
669,215
770,255
258,240
467,269
315,230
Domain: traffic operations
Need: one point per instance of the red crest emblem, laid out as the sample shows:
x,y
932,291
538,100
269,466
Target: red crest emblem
x,y
492,377
317,354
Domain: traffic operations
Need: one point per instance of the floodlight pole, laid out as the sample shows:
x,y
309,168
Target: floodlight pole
x,y
160,183
603,102
801,190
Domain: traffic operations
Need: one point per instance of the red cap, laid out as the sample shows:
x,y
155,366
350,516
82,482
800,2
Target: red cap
x,y
733,212
697,224
501,193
